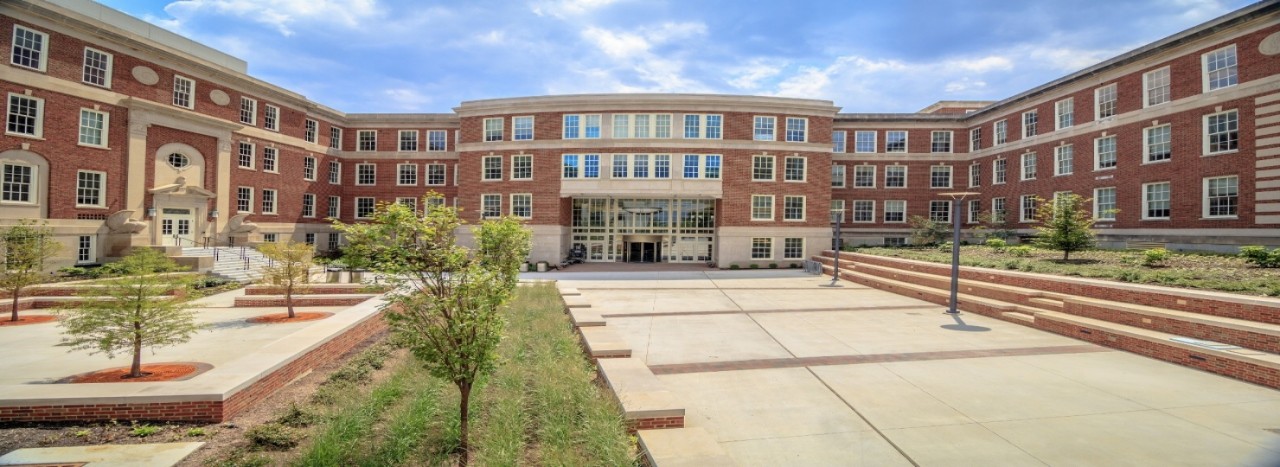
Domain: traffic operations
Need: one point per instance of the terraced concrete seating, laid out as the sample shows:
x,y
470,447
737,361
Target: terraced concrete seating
x,y
1244,333
604,343
646,404
682,447
1006,293
585,317
576,301
302,300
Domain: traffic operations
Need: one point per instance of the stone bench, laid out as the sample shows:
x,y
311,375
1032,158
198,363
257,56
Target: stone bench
x,y
682,447
646,403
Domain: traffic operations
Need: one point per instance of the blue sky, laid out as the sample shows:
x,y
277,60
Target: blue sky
x,y
866,56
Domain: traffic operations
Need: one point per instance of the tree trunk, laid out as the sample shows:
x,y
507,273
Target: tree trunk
x,y
288,299
136,370
14,310
464,408
1066,254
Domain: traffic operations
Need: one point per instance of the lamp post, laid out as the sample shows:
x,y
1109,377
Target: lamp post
x,y
835,273
956,198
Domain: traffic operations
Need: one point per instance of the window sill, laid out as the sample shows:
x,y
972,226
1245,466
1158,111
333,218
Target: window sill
x,y
531,179
872,187
1064,175
1220,218
1155,219
26,136
762,220
246,168
1220,153
1162,161
1103,169
93,146
89,206
271,172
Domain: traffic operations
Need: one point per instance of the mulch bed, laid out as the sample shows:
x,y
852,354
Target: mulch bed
x,y
150,373
280,318
32,319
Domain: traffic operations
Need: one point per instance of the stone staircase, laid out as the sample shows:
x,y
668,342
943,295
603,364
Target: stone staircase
x,y
230,262
1228,334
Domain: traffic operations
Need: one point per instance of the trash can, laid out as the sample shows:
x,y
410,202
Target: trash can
x,y
357,276
333,275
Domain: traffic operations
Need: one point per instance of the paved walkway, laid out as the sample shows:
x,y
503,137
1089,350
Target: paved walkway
x,y
783,372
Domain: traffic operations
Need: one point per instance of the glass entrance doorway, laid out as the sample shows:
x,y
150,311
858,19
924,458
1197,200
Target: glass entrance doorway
x,y
642,252
645,230
177,227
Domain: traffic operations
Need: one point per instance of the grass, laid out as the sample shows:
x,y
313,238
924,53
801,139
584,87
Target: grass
x,y
1205,271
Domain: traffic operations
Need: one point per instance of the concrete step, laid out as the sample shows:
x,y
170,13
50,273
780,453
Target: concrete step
x,y
601,342
1024,317
585,317
1244,333
1047,303
576,301
646,403
682,447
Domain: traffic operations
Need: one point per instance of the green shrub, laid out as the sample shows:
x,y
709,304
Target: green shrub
x,y
143,431
73,271
1012,264
997,244
1128,276
1260,257
795,266
272,436
296,417
733,266
773,265
196,432
1154,257
1021,251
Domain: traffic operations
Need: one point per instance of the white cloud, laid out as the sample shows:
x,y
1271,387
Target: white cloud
x,y
406,99
279,14
756,70
964,85
568,8
628,61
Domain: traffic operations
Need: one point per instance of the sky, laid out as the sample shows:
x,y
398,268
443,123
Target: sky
x,y
391,56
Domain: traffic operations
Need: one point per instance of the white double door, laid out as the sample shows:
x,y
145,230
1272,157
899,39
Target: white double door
x,y
177,227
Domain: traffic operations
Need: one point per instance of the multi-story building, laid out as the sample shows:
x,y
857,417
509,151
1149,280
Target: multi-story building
x,y
120,134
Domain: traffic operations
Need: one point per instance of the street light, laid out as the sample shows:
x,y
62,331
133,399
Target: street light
x,y
835,273
956,198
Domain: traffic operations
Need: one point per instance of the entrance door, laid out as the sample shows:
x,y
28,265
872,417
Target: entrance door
x,y
177,227
642,252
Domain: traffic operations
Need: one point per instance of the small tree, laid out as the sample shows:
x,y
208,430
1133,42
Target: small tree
x,y
26,248
289,269
446,300
1065,223
133,311
926,231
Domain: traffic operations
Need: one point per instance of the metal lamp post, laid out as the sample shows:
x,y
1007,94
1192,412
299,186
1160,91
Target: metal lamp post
x,y
835,273
956,199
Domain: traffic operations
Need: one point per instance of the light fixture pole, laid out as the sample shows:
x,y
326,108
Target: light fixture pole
x,y
835,273
956,199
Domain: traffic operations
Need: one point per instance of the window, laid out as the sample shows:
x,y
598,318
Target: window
x,y
270,237
97,67
89,185
711,166
864,210
999,171
591,166
895,241
620,166
1002,132
1155,87
895,141
1221,196
761,207
490,206
704,166
895,176
793,248
334,240
366,174
437,140
435,174
640,166
271,117
864,141
522,205
998,210
864,176
837,141
621,125
1159,145
975,211
662,126
940,176
309,169
309,238
793,208
408,140
1029,166
694,126
93,128
1155,200
1104,204
26,116
309,130
366,140
493,129
762,168
1219,68
1064,111
715,126
795,169
268,201
269,158
1104,102
1063,160
335,207
183,91
407,174
940,211
837,176
335,137
940,141
364,207
797,129
244,199
492,168
30,48
1104,153
308,205
765,128
761,248
591,126
895,211
335,172
522,167
521,128
569,166
975,139
1222,132
1030,123
571,127
975,175
1028,213
85,250
837,211
245,157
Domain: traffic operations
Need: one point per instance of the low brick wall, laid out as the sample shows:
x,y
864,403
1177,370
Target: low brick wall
x,y
298,300
314,289
1252,340
654,423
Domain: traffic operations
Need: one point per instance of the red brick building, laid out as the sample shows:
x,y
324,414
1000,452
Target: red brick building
x,y
121,134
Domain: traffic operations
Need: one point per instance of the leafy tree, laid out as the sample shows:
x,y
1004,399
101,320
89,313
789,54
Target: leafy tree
x,y
1065,224
133,311
446,300
926,231
26,248
289,269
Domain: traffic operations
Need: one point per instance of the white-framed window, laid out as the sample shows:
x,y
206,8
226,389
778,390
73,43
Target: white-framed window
x,y
864,210
975,175
309,238
709,126
940,210
975,139
1063,160
1219,68
640,125
335,172
940,141
309,168
1156,87
437,140
998,210
864,176
864,141
761,207
1158,145
1029,166
335,137
30,48
335,207
765,128
1002,132
490,206
268,201
245,157
1104,204
702,166
309,130
93,128
97,67
1104,153
1030,123
797,129
408,140
493,130
270,237
590,166
1221,197
837,141
762,168
365,206
308,205
1065,113
366,140
895,211
184,91
1156,200
366,174
1104,102
86,249
1028,212
621,125
570,166
895,141
522,128
895,176
999,171
587,126
25,116
491,168
435,174
244,199
571,126
1222,132
522,167
796,169
407,174
975,211
334,240
793,248
940,176
269,158
271,117
837,176
837,211
89,189
591,126
761,248
522,205
793,208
